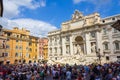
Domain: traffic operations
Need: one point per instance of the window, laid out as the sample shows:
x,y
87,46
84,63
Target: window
x,y
17,36
61,49
8,39
117,47
2,54
6,54
16,54
104,31
16,40
55,50
50,50
27,54
7,46
20,47
67,38
30,49
16,47
3,45
8,34
92,34
106,46
30,43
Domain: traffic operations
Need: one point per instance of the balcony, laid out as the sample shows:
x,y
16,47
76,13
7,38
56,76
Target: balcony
x,y
105,37
117,51
67,43
107,51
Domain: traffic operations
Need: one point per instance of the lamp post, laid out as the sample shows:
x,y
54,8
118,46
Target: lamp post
x,y
1,8
98,55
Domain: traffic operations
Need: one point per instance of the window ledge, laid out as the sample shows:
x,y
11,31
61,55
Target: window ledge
x,y
106,51
117,51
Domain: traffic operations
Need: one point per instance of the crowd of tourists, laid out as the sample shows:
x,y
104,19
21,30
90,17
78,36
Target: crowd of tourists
x,y
107,71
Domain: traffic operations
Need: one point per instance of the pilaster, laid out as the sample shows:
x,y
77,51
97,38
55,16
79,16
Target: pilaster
x,y
88,46
98,42
71,46
63,46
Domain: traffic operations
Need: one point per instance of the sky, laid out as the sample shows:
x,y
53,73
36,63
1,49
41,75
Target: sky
x,y
43,16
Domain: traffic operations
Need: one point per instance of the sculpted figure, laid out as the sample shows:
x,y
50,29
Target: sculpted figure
x,y
68,50
79,50
77,15
93,48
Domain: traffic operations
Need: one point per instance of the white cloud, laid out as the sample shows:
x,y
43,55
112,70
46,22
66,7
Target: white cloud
x,y
99,4
77,1
36,27
43,3
12,8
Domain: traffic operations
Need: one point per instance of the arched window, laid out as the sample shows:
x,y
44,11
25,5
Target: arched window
x,y
106,45
117,45
50,50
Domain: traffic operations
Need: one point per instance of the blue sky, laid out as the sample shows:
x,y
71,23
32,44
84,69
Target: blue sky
x,y
47,15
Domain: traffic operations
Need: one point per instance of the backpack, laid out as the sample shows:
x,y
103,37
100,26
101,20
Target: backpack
x,y
41,74
56,74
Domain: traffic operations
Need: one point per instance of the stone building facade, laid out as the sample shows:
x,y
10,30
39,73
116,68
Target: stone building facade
x,y
83,39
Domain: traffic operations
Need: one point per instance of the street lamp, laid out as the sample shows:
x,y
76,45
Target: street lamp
x,y
1,8
98,55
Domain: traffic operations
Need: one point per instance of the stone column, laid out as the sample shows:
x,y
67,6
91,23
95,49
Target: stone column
x,y
98,42
84,52
73,49
71,46
59,51
111,44
63,46
88,45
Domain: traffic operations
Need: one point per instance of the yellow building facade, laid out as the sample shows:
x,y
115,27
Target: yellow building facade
x,y
21,47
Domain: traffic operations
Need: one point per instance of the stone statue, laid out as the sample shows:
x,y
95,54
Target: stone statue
x,y
77,15
68,50
79,50
93,48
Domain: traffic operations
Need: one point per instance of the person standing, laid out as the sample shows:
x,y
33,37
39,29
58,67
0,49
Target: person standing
x,y
68,75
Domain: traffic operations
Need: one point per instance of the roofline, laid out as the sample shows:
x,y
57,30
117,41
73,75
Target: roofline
x,y
111,16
